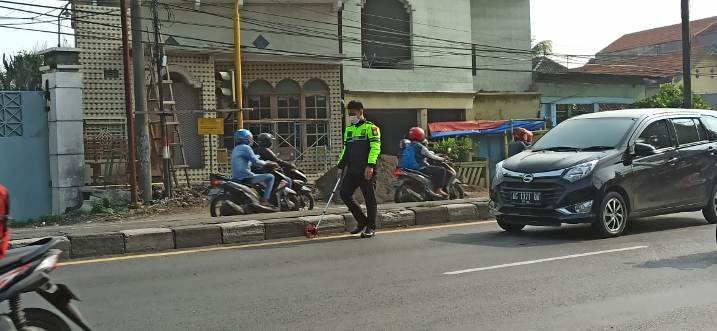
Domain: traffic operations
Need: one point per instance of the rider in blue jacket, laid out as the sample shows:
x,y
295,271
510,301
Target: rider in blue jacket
x,y
243,158
414,155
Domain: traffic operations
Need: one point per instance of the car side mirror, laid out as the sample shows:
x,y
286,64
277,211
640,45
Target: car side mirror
x,y
642,149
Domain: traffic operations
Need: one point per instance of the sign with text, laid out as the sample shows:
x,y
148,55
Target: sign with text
x,y
208,126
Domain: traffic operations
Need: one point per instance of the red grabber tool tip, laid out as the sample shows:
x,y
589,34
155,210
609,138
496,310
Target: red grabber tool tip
x,y
311,229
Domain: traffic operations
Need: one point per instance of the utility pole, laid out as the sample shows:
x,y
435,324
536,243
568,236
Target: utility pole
x,y
686,55
167,173
238,93
144,158
128,105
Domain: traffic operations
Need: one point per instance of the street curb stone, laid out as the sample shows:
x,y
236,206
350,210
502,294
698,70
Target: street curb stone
x,y
63,245
331,223
197,235
462,212
242,232
397,218
284,228
430,215
483,210
91,245
148,240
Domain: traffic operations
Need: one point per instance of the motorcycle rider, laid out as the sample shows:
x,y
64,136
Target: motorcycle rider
x,y
243,158
263,149
522,138
414,155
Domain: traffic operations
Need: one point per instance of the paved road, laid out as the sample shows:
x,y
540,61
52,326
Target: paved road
x,y
659,276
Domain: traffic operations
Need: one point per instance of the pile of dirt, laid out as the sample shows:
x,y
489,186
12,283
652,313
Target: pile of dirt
x,y
100,207
385,181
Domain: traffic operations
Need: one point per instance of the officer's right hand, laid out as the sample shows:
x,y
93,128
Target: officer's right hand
x,y
340,172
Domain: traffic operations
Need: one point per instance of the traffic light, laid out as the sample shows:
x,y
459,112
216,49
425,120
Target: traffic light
x,y
226,84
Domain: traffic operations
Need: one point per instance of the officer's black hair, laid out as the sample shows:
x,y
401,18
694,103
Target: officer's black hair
x,y
353,104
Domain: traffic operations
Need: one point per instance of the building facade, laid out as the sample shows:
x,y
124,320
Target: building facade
x,y
410,62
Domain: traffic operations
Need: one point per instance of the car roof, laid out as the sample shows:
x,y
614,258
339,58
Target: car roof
x,y
645,112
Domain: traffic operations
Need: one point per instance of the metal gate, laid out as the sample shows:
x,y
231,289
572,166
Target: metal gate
x,y
24,153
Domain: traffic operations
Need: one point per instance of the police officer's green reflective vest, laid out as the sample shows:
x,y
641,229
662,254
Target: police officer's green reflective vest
x,y
362,146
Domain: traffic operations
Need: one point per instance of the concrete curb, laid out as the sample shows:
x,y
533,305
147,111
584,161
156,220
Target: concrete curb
x,y
242,232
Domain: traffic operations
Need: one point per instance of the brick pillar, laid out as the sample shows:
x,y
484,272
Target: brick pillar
x,y
62,80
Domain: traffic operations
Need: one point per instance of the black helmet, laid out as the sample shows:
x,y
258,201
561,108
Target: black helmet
x,y
264,140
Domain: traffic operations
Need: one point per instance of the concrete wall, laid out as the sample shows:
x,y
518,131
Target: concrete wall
x,y
584,90
504,107
704,76
504,23
427,16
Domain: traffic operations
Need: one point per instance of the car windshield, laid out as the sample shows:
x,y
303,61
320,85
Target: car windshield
x,y
585,134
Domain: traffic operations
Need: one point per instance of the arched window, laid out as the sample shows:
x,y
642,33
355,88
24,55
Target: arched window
x,y
316,98
288,95
259,98
386,34
288,106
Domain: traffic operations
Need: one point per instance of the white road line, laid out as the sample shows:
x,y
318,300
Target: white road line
x,y
515,264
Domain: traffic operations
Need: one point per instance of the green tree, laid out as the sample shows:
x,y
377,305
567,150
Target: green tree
x,y
543,48
670,96
21,72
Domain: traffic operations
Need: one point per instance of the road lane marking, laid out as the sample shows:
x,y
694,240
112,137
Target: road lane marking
x,y
263,244
515,264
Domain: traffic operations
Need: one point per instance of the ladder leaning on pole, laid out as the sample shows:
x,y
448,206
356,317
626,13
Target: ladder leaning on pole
x,y
173,143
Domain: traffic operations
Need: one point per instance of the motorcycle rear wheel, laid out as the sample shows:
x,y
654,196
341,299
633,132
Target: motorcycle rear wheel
x,y
405,193
217,207
455,191
38,319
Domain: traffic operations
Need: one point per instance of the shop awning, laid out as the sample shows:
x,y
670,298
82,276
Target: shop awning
x,y
477,128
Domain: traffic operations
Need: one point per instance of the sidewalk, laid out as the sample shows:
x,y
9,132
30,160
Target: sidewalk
x,y
199,229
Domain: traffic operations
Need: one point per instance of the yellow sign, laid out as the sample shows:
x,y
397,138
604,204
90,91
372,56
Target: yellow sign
x,y
207,126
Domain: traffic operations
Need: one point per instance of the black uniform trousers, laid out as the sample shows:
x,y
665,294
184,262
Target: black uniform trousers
x,y
349,185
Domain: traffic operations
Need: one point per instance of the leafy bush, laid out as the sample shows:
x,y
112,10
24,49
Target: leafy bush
x,y
671,96
458,150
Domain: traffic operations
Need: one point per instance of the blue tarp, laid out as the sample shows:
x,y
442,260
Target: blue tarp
x,y
528,125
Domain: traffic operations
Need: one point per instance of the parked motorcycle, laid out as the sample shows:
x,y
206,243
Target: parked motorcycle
x,y
26,269
414,186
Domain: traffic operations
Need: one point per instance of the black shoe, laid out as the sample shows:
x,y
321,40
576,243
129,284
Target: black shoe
x,y
358,230
368,233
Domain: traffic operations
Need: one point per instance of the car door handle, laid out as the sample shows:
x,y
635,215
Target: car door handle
x,y
712,150
673,161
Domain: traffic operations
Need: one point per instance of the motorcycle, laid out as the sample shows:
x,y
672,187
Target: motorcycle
x,y
414,186
25,269
300,185
229,198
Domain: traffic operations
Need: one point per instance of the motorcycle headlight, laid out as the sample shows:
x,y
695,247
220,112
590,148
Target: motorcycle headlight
x,y
498,172
579,171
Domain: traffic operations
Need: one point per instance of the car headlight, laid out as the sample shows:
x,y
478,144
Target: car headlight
x,y
579,171
498,172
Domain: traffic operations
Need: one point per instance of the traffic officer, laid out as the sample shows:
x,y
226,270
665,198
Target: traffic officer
x,y
357,162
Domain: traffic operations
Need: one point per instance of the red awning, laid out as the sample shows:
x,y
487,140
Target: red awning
x,y
464,126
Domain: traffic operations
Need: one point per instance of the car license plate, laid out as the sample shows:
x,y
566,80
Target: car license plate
x,y
527,197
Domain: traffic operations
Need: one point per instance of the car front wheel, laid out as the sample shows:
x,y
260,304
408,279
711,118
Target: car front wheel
x,y
612,216
710,210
